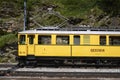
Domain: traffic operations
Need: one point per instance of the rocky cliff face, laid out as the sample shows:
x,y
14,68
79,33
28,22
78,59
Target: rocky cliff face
x,y
8,53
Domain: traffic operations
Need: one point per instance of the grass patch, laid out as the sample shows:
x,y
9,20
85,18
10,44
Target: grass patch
x,y
7,39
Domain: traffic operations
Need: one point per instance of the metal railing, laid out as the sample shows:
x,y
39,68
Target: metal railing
x,y
78,29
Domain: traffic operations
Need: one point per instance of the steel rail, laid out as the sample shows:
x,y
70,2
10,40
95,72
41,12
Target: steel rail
x,y
61,72
5,65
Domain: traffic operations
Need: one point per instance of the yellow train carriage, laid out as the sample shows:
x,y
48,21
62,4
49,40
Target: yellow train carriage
x,y
68,45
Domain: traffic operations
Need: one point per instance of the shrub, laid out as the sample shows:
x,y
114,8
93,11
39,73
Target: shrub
x,y
7,39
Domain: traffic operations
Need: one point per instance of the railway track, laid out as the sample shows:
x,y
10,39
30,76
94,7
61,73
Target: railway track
x,y
12,70
55,78
68,72
5,65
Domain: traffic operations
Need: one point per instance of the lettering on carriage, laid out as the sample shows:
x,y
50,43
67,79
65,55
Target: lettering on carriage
x,y
97,50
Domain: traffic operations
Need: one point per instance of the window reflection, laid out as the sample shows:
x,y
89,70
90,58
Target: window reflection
x,y
76,40
114,40
102,40
44,39
62,40
31,39
22,39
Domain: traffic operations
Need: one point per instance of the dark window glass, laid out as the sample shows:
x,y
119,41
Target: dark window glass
x,y
62,40
102,40
114,40
22,39
76,40
44,39
31,39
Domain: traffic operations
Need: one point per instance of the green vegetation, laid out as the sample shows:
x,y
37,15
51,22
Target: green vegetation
x,y
76,8
70,8
8,51
7,39
89,11
109,6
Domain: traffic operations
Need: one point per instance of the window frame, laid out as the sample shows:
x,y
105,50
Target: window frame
x,y
86,39
22,42
63,36
44,43
74,39
112,42
33,39
101,39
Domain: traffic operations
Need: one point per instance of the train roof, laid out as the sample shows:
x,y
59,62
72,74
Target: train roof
x,y
77,31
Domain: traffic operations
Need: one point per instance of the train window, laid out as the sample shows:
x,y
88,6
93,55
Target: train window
x,y
102,40
114,40
62,40
44,39
31,39
22,39
76,40
86,39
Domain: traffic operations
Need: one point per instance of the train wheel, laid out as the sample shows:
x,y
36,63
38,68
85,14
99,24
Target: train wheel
x,y
29,63
21,64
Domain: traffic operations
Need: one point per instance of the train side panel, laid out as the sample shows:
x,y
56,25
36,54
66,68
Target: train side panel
x,y
53,50
94,40
22,50
95,51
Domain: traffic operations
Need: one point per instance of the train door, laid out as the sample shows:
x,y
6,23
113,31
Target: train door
x,y
22,47
31,45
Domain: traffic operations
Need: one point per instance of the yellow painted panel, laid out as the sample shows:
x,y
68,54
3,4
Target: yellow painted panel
x,y
71,39
31,50
96,51
36,39
53,39
94,40
22,50
81,39
44,50
107,40
86,39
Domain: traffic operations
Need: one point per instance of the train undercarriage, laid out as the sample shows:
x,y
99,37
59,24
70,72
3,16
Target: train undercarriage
x,y
33,61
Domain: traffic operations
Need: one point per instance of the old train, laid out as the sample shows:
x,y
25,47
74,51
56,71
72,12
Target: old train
x,y
69,46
